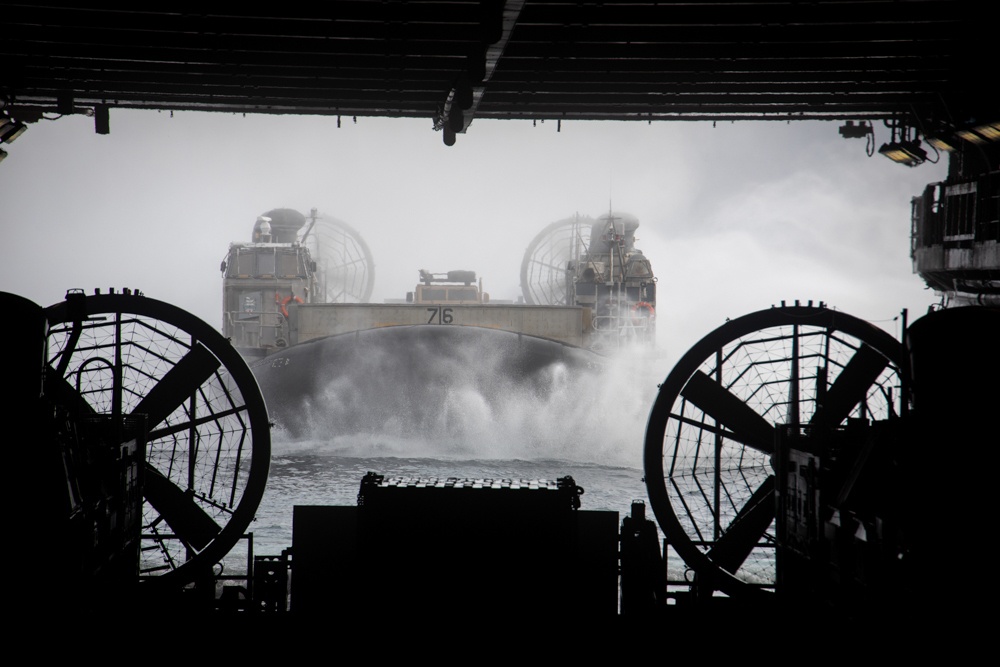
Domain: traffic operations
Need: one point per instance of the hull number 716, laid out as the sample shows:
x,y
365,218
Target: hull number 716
x,y
440,315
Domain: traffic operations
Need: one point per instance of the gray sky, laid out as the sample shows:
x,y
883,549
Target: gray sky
x,y
734,217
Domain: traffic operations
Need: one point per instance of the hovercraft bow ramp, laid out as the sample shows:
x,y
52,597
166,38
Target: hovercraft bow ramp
x,y
409,381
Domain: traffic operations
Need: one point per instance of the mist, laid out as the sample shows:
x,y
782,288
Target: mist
x,y
459,393
734,217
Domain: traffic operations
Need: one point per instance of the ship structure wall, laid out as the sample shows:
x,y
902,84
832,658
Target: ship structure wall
x,y
983,256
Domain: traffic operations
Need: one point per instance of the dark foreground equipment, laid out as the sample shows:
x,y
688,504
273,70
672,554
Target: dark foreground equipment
x,y
802,458
456,548
805,465
155,447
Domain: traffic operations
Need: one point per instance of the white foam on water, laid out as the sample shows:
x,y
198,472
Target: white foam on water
x,y
564,411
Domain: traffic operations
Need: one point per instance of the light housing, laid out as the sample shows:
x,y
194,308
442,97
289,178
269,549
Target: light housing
x,y
11,129
972,136
904,152
942,143
990,131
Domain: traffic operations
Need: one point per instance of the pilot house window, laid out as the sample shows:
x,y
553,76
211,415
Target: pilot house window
x,y
265,264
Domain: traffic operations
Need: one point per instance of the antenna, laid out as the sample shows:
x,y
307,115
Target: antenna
x,y
610,189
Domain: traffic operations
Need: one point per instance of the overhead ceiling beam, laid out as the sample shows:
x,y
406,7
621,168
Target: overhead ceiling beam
x,y
458,60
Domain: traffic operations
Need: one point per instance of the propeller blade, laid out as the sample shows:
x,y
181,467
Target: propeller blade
x,y
850,387
746,529
177,385
177,507
716,401
63,393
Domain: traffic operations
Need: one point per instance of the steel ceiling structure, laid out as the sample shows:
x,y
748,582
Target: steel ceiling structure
x,y
925,61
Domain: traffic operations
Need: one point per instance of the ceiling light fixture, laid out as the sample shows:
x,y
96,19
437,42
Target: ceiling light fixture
x,y
11,129
906,152
903,146
972,136
990,131
942,142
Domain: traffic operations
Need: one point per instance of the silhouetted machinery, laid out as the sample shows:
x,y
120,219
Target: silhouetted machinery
x,y
433,548
151,447
797,458
803,457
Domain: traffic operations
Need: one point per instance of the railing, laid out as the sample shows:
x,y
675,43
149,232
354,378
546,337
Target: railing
x,y
957,213
619,330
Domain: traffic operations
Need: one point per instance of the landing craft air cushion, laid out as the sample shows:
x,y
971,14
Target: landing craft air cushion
x,y
583,281
295,302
